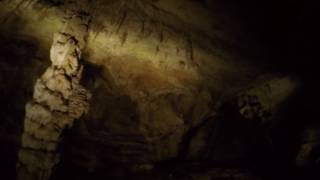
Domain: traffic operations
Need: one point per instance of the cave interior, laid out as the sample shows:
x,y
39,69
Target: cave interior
x,y
159,90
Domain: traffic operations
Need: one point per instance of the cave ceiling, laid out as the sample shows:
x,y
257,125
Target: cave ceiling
x,y
138,73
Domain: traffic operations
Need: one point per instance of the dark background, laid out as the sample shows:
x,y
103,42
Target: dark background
x,y
286,35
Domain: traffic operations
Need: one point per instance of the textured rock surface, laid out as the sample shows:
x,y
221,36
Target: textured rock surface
x,y
260,100
157,74
59,99
244,114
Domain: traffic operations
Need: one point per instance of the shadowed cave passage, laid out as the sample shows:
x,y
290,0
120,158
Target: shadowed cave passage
x,y
158,89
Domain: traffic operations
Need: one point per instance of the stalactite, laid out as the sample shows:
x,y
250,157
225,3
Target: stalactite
x,y
58,100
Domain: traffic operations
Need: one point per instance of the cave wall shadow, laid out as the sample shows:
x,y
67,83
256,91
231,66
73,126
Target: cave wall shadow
x,y
21,63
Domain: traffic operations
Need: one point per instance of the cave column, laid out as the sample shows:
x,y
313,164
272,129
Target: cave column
x,y
58,100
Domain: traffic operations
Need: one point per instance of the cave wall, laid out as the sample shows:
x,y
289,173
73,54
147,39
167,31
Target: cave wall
x,y
156,71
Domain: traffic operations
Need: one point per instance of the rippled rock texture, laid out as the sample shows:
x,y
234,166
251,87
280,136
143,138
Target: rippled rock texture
x,y
58,100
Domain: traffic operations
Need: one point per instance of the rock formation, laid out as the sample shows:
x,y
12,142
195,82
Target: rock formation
x,y
166,80
58,100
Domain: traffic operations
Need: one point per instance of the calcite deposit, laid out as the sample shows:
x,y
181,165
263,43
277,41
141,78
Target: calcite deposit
x,y
58,100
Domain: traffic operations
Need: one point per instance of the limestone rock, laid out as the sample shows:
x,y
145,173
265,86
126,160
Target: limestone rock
x,y
162,73
59,100
54,100
39,160
62,120
78,103
261,100
38,114
49,132
29,141
59,83
64,52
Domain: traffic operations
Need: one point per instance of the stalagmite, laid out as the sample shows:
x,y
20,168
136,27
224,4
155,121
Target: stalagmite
x,y
58,100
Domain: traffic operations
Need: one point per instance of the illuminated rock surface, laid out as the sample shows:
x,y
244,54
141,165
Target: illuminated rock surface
x,y
132,84
59,99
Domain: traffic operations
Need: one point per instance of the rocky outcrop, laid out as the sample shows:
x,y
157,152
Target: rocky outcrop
x,y
58,100
244,121
262,99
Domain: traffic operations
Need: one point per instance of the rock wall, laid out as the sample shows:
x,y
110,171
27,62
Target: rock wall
x,y
159,73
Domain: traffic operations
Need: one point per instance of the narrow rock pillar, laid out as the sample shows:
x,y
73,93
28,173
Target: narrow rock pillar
x,y
58,100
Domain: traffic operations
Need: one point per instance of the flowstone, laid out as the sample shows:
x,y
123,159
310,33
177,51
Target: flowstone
x,y
58,100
